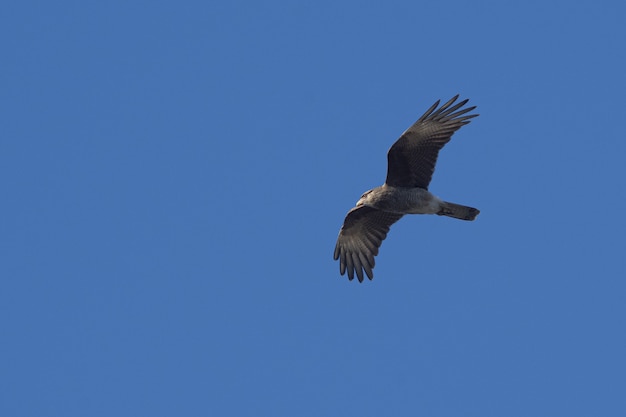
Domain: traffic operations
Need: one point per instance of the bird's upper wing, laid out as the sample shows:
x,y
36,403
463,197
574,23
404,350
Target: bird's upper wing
x,y
411,160
362,233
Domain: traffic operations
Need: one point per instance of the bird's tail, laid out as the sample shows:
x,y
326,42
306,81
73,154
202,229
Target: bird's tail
x,y
458,211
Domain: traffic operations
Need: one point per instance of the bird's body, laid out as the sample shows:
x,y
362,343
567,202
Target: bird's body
x,y
401,200
411,163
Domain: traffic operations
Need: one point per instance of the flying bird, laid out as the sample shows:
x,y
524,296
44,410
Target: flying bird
x,y
410,166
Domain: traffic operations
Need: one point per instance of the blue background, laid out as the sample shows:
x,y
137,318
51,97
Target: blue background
x,y
174,176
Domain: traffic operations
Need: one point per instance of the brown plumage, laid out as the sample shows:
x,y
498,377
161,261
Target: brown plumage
x,y
410,166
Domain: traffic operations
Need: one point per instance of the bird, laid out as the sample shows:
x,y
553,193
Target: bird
x,y
410,166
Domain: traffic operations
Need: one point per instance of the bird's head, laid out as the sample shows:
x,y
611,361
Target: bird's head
x,y
365,198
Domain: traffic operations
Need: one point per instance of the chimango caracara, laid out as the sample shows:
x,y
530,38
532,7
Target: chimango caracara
x,y
410,166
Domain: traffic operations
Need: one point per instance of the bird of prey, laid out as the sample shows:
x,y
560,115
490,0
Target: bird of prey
x,y
410,166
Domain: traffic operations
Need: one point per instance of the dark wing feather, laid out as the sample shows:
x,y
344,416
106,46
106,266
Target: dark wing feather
x,y
362,233
411,160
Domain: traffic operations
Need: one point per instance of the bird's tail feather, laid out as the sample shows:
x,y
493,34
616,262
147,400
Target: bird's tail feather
x,y
458,211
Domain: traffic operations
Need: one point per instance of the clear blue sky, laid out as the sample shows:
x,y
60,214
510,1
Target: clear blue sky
x,y
174,176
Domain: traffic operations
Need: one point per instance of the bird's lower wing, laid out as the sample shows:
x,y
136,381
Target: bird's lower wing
x,y
362,233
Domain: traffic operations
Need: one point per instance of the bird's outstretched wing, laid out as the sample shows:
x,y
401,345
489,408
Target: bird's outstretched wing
x,y
362,233
411,160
